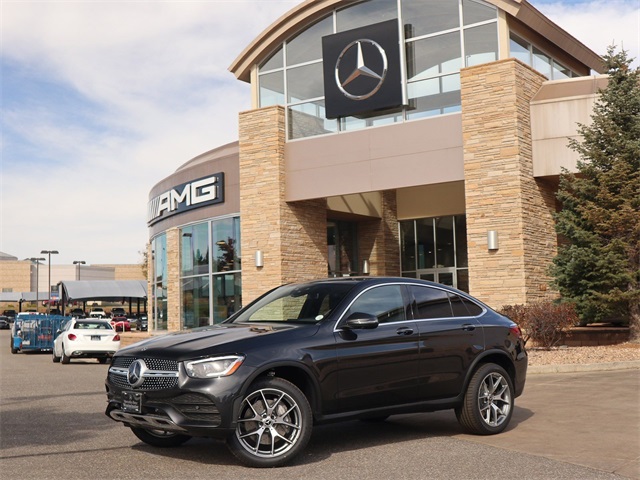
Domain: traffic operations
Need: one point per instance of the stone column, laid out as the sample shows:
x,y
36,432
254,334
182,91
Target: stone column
x,y
174,292
291,236
500,191
378,240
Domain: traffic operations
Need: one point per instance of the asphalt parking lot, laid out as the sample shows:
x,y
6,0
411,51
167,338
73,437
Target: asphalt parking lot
x,y
565,426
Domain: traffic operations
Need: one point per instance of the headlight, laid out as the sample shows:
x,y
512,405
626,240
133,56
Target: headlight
x,y
214,367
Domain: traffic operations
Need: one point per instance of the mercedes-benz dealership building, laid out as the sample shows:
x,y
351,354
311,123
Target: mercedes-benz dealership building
x,y
415,138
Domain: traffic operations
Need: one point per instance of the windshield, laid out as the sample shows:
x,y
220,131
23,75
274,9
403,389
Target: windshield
x,y
307,303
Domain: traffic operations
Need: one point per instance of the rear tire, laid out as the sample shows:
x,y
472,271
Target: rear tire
x,y
488,401
54,357
273,426
160,438
65,358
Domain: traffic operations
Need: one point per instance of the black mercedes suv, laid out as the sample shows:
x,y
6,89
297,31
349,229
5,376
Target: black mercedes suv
x,y
316,352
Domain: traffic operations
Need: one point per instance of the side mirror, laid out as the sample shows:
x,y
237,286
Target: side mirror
x,y
360,321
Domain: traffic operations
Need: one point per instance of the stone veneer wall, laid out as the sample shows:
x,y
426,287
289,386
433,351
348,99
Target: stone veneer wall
x,y
174,294
378,240
500,191
291,236
15,276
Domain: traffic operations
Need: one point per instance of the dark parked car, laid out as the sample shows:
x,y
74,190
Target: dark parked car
x,y
5,323
142,322
11,314
304,354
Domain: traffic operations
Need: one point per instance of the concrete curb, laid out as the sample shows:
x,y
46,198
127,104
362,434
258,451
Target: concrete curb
x,y
590,367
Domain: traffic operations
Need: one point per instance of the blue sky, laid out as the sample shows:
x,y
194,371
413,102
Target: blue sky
x,y
103,99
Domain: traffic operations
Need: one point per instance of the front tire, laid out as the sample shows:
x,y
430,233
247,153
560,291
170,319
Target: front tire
x,y
160,438
54,357
273,426
488,401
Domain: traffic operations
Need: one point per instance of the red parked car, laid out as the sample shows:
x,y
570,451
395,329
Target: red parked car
x,y
120,323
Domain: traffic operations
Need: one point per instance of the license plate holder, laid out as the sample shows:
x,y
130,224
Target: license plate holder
x,y
132,402
95,337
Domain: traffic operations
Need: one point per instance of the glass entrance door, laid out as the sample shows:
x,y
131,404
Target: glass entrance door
x,y
445,276
342,247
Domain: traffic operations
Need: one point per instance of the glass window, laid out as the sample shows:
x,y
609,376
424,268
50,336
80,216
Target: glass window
x,y
308,120
473,308
227,296
305,82
308,45
272,89
461,241
301,303
422,17
481,44
430,302
458,306
366,13
195,302
195,250
445,254
426,244
560,72
161,311
520,49
433,56
541,62
276,61
474,12
225,244
385,302
434,97
408,245
160,256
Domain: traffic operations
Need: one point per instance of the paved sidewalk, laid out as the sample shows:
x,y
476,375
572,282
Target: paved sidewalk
x,y
578,367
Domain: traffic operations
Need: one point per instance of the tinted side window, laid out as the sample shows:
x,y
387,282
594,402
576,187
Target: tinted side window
x,y
458,306
384,302
473,308
430,302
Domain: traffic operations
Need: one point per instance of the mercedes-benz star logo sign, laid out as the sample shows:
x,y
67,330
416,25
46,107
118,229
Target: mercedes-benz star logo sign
x,y
360,69
135,375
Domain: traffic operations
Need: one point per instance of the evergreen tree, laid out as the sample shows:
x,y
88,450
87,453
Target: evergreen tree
x,y
598,268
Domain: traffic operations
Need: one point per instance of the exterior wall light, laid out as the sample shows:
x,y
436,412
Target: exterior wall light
x,y
365,267
492,240
259,259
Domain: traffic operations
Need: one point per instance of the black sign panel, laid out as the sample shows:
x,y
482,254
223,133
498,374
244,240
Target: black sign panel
x,y
186,196
362,70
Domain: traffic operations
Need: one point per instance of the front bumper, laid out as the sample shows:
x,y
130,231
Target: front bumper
x,y
169,400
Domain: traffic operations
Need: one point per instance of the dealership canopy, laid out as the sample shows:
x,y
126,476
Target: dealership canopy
x,y
81,290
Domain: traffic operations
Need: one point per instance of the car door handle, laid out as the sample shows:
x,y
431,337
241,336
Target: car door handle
x,y
469,327
405,331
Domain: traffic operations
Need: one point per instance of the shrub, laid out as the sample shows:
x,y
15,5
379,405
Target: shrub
x,y
543,322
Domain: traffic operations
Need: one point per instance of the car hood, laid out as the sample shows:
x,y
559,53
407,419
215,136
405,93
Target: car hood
x,y
215,339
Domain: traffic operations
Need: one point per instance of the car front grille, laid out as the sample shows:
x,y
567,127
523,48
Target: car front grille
x,y
165,373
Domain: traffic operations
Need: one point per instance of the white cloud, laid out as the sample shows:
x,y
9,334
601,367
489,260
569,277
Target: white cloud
x,y
598,24
103,99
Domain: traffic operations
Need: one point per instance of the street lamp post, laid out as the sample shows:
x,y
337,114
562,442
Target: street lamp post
x,y
37,260
49,252
79,262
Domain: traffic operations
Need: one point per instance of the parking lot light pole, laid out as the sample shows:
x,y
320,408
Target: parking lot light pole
x,y
37,260
49,252
79,262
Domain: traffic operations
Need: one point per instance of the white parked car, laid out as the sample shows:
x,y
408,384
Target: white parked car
x,y
85,338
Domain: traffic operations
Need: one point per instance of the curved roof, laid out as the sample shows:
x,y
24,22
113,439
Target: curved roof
x,y
104,289
309,11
